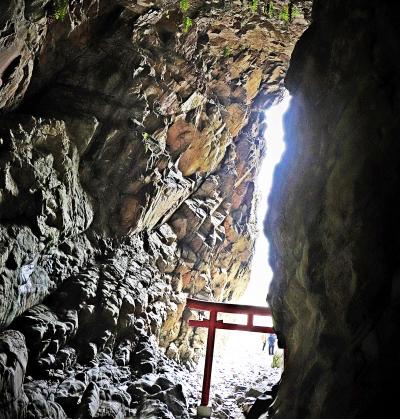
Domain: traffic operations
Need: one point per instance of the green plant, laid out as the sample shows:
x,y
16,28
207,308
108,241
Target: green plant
x,y
277,360
270,9
187,24
147,141
284,14
184,5
254,5
227,51
60,9
295,12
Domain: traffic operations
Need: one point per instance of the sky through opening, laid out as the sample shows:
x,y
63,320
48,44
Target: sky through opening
x,y
261,273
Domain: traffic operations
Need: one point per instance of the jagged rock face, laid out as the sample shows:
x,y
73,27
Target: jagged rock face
x,y
14,358
43,205
333,217
128,152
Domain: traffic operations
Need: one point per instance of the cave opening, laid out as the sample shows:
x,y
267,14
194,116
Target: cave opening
x,y
243,368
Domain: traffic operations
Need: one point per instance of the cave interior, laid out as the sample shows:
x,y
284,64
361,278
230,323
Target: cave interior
x,y
131,137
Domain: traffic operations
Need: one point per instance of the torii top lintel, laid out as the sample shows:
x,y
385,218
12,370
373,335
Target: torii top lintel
x,y
212,307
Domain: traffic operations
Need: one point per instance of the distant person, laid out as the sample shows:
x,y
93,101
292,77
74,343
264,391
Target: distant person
x,y
264,341
271,343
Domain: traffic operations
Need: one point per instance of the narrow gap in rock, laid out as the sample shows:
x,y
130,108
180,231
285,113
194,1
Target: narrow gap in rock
x,y
243,369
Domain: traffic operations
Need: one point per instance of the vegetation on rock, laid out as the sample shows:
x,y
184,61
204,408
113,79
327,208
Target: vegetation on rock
x,y
60,9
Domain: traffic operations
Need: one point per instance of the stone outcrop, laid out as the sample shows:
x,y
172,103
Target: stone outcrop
x,y
129,145
42,206
13,361
333,217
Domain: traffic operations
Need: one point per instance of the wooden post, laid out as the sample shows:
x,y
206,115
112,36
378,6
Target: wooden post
x,y
205,395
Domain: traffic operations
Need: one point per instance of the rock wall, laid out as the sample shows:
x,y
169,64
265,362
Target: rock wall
x,y
129,145
333,217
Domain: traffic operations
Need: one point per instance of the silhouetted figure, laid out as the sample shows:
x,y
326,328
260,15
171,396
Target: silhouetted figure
x,y
271,344
264,340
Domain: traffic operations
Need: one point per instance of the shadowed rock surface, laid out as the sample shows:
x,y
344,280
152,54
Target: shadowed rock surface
x,y
333,217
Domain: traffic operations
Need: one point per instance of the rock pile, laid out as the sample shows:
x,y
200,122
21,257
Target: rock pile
x,y
151,386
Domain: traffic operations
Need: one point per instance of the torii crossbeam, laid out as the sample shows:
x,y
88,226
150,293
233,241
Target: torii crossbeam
x,y
212,324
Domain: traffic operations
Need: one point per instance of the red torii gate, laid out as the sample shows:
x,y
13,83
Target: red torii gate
x,y
212,324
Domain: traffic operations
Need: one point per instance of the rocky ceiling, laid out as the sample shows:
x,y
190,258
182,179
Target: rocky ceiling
x,y
130,136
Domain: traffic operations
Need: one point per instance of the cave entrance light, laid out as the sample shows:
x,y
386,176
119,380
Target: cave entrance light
x,y
240,354
261,272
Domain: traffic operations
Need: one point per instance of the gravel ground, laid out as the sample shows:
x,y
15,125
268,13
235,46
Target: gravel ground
x,y
241,372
